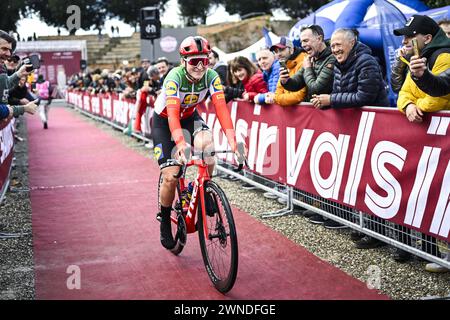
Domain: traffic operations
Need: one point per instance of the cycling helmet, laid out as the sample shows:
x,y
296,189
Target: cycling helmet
x,y
194,46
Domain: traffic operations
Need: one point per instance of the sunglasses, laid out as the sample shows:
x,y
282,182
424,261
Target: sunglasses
x,y
196,61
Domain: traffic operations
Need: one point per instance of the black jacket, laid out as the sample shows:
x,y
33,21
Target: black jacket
x,y
435,86
222,69
16,94
358,81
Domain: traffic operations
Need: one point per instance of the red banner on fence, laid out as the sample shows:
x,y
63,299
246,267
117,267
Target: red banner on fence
x,y
371,159
113,107
6,151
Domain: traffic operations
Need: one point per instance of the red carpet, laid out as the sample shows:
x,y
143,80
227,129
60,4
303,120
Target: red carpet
x,y
94,202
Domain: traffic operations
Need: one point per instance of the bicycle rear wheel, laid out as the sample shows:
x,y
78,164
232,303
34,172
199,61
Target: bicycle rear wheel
x,y
220,246
179,230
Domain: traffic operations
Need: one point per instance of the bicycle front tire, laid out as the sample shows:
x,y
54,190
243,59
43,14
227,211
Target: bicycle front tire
x,y
220,247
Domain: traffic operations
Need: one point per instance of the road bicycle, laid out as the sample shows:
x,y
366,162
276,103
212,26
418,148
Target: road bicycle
x,y
215,226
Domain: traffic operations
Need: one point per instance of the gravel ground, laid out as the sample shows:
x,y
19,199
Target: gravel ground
x,y
399,281
16,254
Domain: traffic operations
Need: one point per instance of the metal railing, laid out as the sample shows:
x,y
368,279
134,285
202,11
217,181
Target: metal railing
x,y
412,241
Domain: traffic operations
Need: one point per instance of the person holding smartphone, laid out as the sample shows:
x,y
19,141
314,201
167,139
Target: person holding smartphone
x,y
291,61
430,44
7,48
316,71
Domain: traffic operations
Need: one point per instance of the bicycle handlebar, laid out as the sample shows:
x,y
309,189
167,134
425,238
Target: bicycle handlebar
x,y
206,154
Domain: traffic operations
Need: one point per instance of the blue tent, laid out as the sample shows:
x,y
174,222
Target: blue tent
x,y
360,14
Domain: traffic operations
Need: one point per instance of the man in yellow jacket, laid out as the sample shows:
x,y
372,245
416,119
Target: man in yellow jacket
x,y
291,58
434,46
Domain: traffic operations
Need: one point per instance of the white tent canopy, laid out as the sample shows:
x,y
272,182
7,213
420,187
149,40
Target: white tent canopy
x,y
248,52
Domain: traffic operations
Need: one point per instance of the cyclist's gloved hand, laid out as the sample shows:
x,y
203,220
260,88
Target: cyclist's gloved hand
x,y
183,153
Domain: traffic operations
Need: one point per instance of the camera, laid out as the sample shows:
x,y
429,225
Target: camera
x,y
33,60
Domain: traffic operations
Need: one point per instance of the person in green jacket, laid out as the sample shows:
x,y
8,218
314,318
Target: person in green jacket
x,y
317,73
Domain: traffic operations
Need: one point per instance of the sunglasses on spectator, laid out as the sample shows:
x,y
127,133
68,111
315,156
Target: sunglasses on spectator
x,y
195,61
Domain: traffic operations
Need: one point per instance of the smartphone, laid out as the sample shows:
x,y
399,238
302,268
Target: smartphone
x,y
415,47
283,64
34,61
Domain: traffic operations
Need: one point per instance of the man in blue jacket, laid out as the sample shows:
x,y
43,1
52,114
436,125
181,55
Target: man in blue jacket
x,y
271,71
358,80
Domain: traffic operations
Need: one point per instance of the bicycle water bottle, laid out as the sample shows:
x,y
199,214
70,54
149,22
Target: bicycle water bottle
x,y
190,188
186,197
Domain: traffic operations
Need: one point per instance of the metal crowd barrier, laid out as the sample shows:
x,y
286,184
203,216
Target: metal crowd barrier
x,y
417,243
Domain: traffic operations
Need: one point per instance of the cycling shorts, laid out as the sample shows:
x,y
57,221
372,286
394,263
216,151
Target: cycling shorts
x,y
164,147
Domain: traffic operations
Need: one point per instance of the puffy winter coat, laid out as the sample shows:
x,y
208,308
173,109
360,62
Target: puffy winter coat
x,y
284,97
255,85
358,81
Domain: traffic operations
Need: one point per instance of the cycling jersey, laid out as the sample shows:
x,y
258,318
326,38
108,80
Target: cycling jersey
x,y
176,85
180,97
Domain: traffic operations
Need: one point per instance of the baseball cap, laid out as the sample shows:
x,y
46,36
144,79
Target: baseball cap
x,y
284,42
418,24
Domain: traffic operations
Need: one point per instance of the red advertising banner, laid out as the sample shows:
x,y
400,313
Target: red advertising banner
x,y
113,107
371,159
6,151
67,62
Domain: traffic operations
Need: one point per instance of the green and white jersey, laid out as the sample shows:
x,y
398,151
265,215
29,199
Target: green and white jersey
x,y
176,85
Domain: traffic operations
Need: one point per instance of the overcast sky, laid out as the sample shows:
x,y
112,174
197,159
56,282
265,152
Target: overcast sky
x,y
26,27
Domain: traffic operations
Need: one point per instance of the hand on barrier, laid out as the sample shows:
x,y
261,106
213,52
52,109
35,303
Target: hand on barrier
x,y
413,113
321,101
270,98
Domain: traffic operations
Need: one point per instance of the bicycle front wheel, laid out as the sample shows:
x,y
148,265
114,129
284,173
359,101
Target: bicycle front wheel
x,y
220,246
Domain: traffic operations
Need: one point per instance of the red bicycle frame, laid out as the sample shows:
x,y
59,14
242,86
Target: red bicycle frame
x,y
199,183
